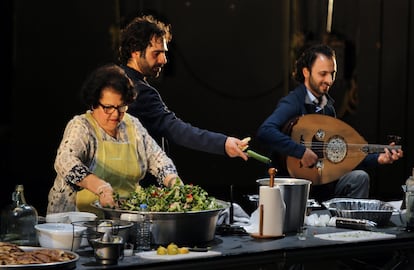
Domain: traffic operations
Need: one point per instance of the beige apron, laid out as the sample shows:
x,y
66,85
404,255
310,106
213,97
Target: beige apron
x,y
116,163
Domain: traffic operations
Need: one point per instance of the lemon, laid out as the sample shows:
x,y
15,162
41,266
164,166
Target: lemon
x,y
183,250
161,250
172,249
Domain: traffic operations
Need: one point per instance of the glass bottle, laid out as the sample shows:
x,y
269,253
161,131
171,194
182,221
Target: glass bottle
x,y
18,221
409,202
143,229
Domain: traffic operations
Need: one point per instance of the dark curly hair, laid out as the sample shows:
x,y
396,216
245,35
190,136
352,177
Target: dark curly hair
x,y
308,57
109,75
137,35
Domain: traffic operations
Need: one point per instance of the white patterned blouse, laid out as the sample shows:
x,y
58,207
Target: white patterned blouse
x,y
77,151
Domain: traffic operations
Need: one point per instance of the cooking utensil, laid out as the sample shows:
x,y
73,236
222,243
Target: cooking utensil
x,y
356,224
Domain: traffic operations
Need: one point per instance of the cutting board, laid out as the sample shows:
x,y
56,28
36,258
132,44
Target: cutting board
x,y
355,236
152,255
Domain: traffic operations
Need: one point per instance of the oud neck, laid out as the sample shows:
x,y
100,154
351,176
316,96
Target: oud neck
x,y
379,148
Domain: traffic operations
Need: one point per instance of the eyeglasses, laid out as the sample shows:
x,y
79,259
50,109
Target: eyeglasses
x,y
108,109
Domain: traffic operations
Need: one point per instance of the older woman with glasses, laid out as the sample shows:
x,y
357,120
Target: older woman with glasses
x,y
105,150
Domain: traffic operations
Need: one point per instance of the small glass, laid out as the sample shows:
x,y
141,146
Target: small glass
x,y
302,233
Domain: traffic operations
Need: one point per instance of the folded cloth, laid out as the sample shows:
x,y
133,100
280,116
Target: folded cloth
x,y
320,220
253,226
240,217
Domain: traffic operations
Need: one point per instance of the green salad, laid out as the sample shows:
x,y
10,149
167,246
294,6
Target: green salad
x,y
178,198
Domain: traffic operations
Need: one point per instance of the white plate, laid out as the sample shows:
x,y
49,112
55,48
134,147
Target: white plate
x,y
355,236
152,255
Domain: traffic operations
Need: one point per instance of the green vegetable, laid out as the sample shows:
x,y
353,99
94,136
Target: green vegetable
x,y
258,157
178,198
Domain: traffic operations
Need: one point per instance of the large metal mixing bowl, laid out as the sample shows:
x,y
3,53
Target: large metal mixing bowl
x,y
181,228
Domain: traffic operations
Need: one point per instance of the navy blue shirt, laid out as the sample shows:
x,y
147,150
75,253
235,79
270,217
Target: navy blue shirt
x,y
161,122
296,103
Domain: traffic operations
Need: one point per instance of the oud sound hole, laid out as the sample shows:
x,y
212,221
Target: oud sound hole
x,y
336,149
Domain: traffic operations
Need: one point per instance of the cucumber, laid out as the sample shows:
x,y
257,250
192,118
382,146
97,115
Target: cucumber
x,y
258,157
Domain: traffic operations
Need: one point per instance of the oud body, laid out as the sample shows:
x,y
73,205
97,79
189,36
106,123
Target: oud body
x,y
339,147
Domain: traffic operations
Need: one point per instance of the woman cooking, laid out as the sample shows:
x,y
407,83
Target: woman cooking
x,y
105,150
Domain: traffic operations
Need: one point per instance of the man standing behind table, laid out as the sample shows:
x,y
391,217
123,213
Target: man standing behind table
x,y
315,71
142,54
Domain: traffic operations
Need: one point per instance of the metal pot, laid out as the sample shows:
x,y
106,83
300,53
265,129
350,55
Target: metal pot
x,y
295,193
181,228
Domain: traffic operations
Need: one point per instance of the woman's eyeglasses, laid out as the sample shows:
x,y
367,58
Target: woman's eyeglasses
x,y
108,109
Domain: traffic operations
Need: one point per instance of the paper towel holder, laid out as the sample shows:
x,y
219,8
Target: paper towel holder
x,y
260,234
272,172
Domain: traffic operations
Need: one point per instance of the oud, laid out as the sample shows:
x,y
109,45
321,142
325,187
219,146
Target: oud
x,y
339,147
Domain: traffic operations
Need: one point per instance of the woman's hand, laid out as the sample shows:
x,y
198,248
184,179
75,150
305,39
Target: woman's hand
x,y
99,187
106,195
171,179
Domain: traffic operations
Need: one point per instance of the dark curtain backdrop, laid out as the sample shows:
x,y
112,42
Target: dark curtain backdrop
x,y
229,63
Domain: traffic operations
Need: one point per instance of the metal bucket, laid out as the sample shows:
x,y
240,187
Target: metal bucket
x,y
295,193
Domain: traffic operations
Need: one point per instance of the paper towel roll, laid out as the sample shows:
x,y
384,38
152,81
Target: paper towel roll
x,y
273,210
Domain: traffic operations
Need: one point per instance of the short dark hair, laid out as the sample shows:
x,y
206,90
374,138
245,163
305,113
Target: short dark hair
x,y
137,35
308,57
109,75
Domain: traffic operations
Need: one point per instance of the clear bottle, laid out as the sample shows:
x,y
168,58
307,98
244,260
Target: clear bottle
x,y
409,202
144,230
133,232
18,221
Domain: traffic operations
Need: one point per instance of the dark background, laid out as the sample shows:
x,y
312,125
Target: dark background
x,y
229,63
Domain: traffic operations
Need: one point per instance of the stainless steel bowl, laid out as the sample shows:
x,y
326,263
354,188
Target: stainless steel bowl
x,y
182,228
374,210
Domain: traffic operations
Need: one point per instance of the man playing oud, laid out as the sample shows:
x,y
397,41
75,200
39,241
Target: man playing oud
x,y
315,70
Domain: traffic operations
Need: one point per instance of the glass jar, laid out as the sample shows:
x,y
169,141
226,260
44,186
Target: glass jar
x,y
18,221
